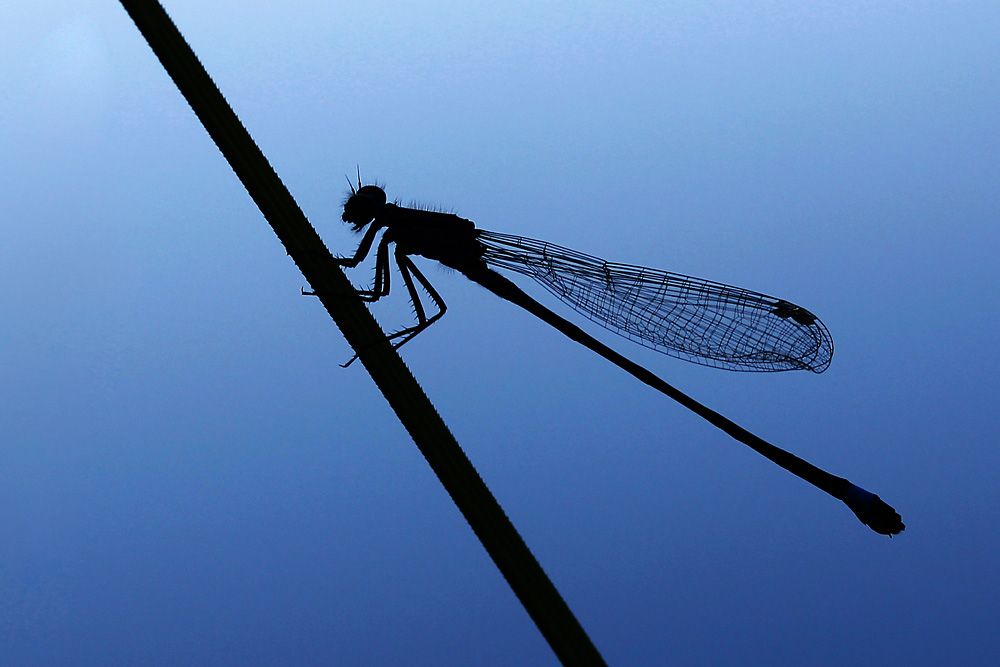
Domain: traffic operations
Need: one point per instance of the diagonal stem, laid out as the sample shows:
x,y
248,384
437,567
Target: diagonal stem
x,y
512,557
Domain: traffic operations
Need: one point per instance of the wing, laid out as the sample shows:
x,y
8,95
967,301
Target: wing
x,y
696,320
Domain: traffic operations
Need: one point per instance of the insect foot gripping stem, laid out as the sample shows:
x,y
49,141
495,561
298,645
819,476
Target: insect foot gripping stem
x,y
873,511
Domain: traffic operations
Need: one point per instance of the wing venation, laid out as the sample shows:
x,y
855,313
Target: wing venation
x,y
689,318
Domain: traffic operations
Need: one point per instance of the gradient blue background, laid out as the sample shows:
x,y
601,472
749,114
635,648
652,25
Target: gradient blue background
x,y
188,477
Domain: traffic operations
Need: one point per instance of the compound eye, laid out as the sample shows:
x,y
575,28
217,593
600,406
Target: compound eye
x,y
374,192
362,207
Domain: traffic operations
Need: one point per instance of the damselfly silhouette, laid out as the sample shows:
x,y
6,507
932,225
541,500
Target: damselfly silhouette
x,y
697,320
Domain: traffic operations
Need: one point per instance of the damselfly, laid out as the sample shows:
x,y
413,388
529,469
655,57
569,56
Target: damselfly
x,y
697,320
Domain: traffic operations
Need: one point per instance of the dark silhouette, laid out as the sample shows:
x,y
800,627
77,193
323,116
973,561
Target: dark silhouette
x,y
692,319
522,571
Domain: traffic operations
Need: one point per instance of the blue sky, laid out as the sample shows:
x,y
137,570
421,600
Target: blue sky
x,y
188,476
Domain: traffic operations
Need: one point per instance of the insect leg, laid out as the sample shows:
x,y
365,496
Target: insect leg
x,y
380,287
408,270
363,248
